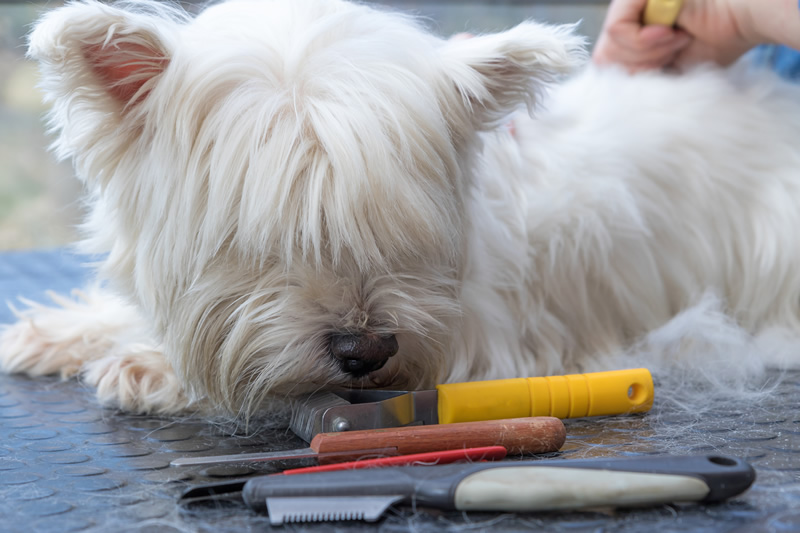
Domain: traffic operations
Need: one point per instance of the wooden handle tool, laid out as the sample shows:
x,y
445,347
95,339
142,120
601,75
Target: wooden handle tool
x,y
518,435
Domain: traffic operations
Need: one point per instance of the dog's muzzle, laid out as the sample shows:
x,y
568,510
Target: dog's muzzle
x,y
358,355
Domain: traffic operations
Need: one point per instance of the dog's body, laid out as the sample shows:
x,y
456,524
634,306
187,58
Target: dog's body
x,y
294,195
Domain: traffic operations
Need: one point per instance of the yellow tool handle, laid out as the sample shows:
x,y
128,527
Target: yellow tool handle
x,y
572,396
664,12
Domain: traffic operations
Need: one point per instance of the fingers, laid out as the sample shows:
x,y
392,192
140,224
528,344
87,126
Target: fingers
x,y
710,33
640,48
625,41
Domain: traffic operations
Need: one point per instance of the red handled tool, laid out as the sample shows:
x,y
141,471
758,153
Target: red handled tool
x,y
473,455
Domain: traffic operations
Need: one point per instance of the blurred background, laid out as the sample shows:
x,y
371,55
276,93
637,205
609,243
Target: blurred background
x,y
39,197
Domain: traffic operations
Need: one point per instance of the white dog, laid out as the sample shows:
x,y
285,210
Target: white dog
x,y
306,193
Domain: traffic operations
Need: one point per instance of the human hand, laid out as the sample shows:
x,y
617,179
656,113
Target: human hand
x,y
624,40
706,31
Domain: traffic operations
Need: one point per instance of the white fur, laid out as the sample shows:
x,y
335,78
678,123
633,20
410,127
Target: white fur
x,y
273,172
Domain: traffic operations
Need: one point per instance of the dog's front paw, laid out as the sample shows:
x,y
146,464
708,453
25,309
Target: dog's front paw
x,y
60,339
26,347
141,382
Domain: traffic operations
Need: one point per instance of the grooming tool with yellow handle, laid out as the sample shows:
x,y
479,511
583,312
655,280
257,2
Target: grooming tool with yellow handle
x,y
663,12
571,396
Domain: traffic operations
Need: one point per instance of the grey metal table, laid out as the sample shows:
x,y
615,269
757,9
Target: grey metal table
x,y
67,464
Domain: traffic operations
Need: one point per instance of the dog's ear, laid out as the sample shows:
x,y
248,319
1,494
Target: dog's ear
x,y
494,74
98,64
111,53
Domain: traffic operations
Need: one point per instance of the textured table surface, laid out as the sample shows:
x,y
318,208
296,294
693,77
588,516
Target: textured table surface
x,y
68,465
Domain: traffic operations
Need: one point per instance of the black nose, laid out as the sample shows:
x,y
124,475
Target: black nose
x,y
361,354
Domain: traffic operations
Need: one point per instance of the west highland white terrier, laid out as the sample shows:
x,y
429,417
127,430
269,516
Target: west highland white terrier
x,y
292,195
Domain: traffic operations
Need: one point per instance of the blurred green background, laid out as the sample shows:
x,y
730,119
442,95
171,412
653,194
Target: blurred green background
x,y
39,197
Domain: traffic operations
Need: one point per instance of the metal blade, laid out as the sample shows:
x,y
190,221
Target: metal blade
x,y
308,411
301,453
350,410
328,508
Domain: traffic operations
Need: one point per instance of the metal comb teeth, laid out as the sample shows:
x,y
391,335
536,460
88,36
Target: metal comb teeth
x,y
325,517
327,508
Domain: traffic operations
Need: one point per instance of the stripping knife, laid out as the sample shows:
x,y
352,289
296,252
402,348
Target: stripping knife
x,y
575,395
518,436
508,486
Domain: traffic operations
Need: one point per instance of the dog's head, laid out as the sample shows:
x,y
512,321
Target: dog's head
x,y
283,187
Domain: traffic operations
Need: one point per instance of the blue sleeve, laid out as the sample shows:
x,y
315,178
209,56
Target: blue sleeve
x,y
783,60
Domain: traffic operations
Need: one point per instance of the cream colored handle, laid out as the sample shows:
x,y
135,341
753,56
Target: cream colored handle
x,y
542,488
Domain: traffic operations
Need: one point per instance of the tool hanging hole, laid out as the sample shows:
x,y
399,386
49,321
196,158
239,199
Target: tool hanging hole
x,y
637,393
722,461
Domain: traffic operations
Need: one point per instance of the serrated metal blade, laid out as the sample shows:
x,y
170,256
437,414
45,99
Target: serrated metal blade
x,y
327,508
263,457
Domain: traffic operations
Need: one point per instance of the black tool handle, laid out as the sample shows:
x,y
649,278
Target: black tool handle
x,y
486,486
